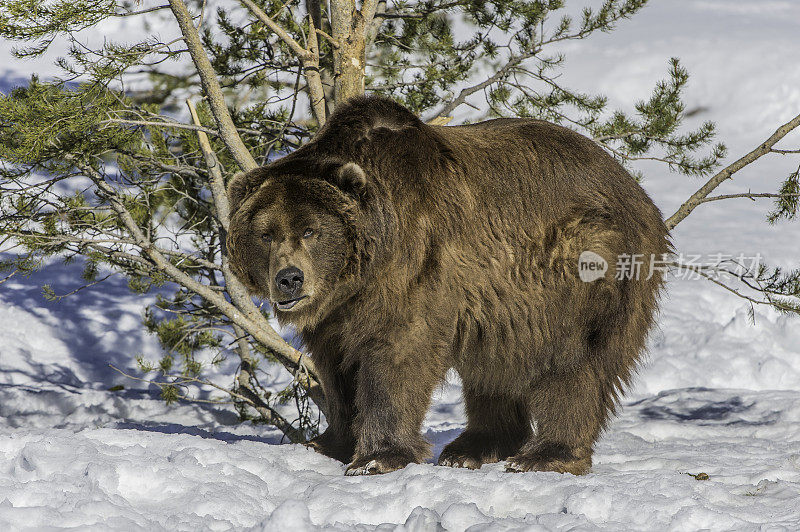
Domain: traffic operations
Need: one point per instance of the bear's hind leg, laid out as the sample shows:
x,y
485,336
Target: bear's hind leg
x,y
497,426
571,407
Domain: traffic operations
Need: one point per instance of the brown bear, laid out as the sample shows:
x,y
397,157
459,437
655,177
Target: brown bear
x,y
515,251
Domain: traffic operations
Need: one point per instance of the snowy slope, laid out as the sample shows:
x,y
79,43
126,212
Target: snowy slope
x,y
717,394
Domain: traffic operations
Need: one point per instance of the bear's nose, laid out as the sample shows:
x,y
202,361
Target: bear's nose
x,y
289,280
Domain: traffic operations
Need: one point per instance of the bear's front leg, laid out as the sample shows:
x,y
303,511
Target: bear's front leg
x,y
339,384
393,395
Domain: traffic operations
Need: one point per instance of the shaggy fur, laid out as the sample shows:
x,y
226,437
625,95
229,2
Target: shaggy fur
x,y
425,248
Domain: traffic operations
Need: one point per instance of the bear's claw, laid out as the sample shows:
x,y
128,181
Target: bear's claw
x,y
460,461
380,462
370,468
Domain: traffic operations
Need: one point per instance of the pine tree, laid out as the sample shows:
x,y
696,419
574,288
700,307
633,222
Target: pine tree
x,y
147,176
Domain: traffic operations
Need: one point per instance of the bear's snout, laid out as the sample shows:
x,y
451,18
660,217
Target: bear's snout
x,y
290,281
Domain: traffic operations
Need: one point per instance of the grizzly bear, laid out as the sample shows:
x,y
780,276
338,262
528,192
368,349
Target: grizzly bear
x,y
400,250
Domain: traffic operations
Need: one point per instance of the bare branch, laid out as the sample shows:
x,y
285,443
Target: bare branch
x,y
327,37
55,297
177,125
295,46
211,87
268,414
288,355
9,276
502,72
158,124
749,195
726,173
142,11
237,291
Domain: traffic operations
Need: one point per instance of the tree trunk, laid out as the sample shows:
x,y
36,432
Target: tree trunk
x,y
347,25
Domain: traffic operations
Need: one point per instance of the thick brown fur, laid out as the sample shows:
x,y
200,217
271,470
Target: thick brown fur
x,y
455,247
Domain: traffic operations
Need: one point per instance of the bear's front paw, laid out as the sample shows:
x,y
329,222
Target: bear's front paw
x,y
333,446
381,462
552,457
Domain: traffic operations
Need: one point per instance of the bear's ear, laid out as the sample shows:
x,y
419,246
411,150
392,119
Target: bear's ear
x,y
351,178
242,185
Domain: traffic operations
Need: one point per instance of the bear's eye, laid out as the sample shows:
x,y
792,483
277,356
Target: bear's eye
x,y
266,237
308,233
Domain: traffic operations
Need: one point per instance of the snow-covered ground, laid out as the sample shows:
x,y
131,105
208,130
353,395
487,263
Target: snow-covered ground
x,y
717,395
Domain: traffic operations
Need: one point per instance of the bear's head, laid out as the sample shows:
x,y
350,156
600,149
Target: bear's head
x,y
293,235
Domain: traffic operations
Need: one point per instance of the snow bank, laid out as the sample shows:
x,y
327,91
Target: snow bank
x,y
136,479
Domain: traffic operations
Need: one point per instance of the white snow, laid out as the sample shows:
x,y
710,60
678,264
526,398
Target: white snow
x,y
717,394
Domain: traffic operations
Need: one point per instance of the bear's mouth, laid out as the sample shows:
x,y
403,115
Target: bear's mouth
x,y
289,303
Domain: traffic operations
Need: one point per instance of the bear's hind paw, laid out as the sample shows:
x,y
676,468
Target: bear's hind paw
x,y
551,457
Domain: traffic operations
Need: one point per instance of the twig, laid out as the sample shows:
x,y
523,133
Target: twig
x,y
59,298
330,39
269,415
